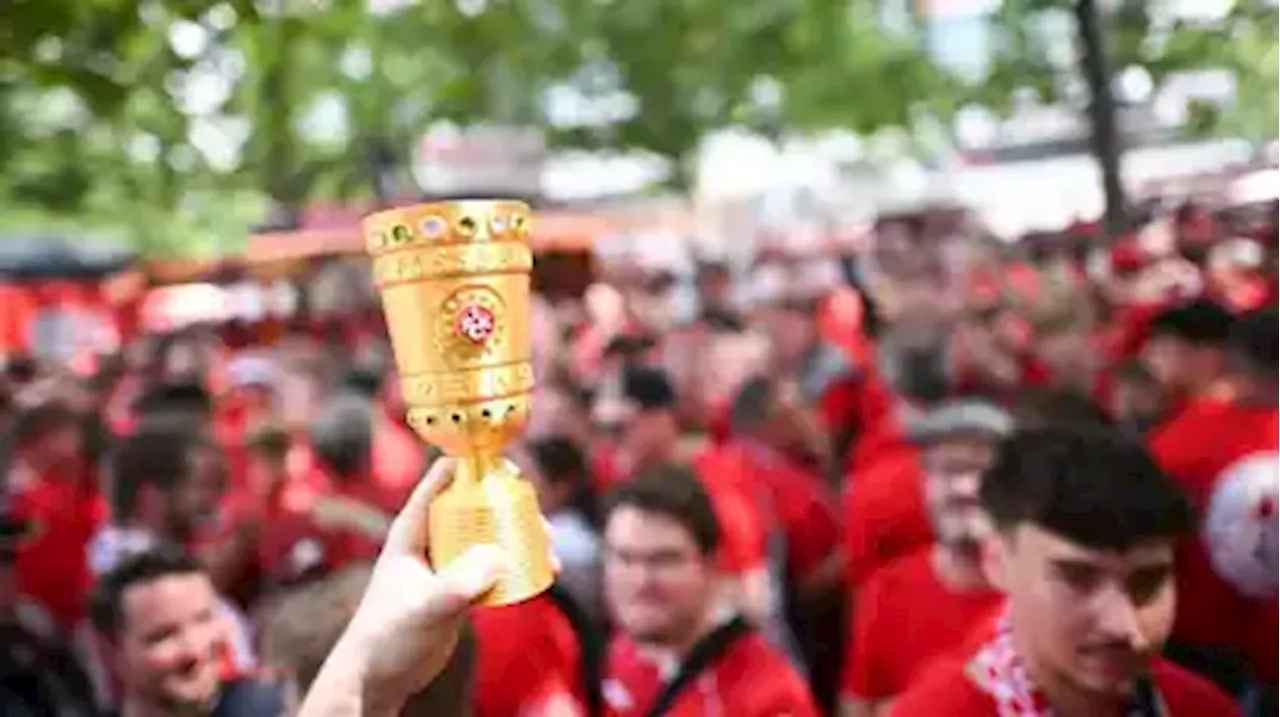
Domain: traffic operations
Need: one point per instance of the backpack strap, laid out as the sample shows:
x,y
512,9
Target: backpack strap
x,y
703,655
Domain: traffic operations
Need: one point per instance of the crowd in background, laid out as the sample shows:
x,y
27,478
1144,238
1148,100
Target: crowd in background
x,y
898,481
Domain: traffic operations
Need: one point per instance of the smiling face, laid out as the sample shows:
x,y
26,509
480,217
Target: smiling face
x,y
1091,619
168,648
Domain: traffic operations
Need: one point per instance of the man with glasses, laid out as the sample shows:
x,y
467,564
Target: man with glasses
x,y
678,650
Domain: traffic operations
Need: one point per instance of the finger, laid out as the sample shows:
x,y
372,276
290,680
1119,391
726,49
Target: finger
x,y
467,579
408,532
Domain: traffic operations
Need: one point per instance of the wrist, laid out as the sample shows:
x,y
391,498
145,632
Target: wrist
x,y
355,655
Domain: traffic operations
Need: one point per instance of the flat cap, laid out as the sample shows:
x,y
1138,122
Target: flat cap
x,y
968,417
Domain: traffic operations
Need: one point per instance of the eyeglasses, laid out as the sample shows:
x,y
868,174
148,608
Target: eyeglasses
x,y
657,561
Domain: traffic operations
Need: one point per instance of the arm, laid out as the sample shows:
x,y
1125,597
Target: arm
x,y
341,690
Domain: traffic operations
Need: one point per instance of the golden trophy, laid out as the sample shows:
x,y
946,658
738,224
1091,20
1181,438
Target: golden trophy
x,y
454,282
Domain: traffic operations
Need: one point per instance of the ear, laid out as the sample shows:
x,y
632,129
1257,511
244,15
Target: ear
x,y
996,551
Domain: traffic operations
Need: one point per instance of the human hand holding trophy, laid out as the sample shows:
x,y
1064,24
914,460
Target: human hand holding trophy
x,y
454,278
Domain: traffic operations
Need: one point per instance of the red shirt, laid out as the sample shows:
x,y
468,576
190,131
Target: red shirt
x,y
884,514
298,540
736,498
750,679
905,618
528,656
52,566
803,507
1198,447
397,459
945,689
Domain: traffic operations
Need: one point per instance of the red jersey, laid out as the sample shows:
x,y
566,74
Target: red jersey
x,y
528,657
322,533
53,566
1224,454
802,505
397,459
744,525
904,619
947,689
884,513
795,501
749,679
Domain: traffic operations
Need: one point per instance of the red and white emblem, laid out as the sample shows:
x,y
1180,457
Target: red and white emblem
x,y
475,323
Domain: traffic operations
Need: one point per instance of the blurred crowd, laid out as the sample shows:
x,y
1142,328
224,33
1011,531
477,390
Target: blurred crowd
x,y
934,474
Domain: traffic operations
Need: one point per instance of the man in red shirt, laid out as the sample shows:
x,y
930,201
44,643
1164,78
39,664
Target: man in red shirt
x,y
923,605
678,652
50,488
651,440
529,662
1185,350
1086,562
344,525
1222,452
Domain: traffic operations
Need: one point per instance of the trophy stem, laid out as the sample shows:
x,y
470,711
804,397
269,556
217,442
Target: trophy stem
x,y
474,466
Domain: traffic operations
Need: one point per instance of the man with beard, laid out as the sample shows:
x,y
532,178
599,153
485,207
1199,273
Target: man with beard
x,y
159,616
923,605
1085,528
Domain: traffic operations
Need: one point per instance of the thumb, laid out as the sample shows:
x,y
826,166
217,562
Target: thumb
x,y
471,575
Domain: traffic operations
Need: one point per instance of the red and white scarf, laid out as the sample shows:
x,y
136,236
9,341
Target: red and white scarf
x,y
999,671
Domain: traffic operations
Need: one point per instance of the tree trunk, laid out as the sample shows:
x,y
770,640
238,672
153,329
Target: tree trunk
x,y
1104,135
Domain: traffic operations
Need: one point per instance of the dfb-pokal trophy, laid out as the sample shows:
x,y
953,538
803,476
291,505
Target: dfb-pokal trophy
x,y
454,280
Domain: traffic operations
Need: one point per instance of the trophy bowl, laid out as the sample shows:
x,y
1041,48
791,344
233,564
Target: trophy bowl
x,y
454,282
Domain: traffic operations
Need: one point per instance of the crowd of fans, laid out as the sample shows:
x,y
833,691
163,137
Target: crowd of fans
x,y
940,476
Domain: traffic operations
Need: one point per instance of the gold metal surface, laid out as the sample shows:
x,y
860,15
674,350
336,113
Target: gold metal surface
x,y
454,282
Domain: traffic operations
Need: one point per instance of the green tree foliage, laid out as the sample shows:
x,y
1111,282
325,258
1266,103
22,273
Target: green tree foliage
x,y
93,117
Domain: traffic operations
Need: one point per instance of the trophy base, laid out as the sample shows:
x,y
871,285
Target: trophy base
x,y
497,508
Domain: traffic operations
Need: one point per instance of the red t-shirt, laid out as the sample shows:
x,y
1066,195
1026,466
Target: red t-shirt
x,y
750,679
52,566
945,689
737,500
397,459
793,500
905,618
803,507
298,541
528,655
884,513
1202,448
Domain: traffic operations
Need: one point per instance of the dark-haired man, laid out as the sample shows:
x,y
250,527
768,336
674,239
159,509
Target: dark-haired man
x,y
652,441
1185,350
1086,562
166,483
1223,452
159,615
39,675
48,485
348,522
678,651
